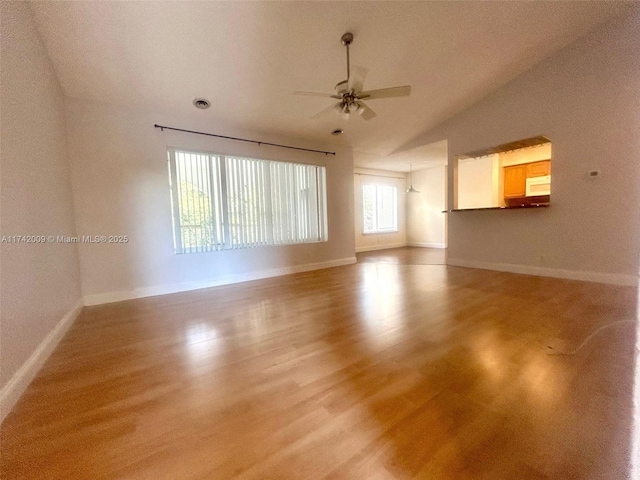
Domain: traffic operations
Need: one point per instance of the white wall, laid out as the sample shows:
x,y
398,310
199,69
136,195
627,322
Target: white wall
x,y
379,241
426,224
121,187
586,100
478,182
40,282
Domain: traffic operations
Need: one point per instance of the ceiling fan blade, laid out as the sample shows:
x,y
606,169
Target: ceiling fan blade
x,y
365,112
330,108
317,94
391,92
356,78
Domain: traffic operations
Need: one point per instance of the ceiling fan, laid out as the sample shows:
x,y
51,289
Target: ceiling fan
x,y
350,93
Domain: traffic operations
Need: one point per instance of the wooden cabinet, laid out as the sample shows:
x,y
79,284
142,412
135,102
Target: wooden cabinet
x,y
539,169
515,177
515,181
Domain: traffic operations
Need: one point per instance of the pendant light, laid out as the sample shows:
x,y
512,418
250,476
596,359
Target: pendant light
x,y
411,189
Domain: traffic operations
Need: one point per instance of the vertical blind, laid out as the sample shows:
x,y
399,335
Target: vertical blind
x,y
379,208
226,202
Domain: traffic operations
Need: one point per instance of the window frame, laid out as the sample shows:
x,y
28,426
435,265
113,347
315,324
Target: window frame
x,y
378,231
320,216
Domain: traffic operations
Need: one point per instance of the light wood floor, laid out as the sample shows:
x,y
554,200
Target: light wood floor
x,y
369,371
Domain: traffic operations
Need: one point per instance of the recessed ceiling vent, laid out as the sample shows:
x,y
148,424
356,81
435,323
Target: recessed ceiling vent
x,y
202,103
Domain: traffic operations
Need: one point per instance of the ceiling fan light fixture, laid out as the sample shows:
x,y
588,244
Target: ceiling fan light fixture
x,y
350,92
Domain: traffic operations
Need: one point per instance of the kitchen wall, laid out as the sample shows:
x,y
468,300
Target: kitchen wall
x,y
586,100
121,187
40,293
478,182
379,241
426,222
526,155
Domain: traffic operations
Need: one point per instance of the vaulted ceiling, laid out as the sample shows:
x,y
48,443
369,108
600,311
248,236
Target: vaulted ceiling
x,y
247,58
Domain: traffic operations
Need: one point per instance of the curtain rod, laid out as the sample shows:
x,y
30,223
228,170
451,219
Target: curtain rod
x,y
162,127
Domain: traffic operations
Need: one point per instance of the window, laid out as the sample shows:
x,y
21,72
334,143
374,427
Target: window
x,y
379,208
224,202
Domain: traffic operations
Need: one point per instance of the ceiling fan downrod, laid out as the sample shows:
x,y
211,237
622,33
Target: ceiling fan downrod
x,y
346,39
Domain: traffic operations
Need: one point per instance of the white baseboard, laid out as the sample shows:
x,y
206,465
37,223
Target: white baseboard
x,y
15,387
380,247
110,297
610,278
426,244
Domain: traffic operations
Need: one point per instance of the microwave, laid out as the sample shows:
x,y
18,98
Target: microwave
x,y
537,186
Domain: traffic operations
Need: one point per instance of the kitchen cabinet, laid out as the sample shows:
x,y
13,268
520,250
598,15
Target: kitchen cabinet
x,y
539,169
515,181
